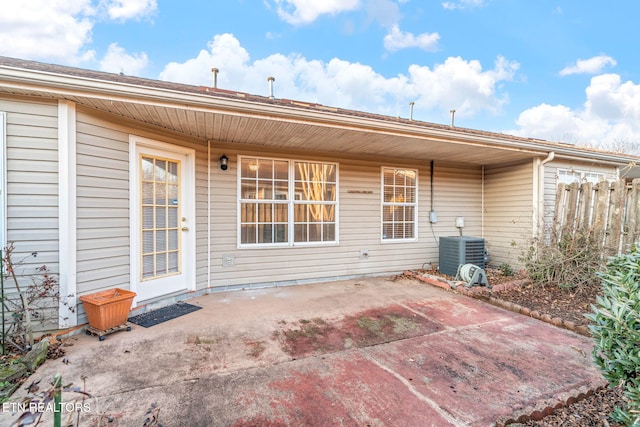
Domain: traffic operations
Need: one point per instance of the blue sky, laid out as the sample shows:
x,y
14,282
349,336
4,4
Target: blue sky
x,y
556,70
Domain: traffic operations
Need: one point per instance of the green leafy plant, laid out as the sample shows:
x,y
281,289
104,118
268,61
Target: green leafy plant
x,y
616,330
506,269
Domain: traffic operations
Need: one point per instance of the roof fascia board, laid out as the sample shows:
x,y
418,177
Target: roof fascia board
x,y
603,158
75,86
79,86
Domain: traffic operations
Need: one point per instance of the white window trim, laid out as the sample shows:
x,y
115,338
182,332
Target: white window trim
x,y
580,175
291,203
415,205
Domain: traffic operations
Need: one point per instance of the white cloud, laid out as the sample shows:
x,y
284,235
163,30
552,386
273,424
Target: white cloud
x,y
299,12
116,60
589,66
225,53
46,29
462,85
463,4
397,40
60,30
130,9
610,114
457,83
551,122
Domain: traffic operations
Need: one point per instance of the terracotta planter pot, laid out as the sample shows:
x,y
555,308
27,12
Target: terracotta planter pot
x,y
107,309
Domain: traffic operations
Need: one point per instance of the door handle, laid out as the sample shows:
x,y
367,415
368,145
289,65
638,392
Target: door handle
x,y
185,228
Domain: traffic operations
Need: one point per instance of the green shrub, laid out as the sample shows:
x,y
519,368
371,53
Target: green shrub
x,y
506,269
616,330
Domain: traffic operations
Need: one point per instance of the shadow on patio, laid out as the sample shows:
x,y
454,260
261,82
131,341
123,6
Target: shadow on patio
x,y
375,351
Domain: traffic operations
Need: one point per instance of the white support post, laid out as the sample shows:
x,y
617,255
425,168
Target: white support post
x,y
67,310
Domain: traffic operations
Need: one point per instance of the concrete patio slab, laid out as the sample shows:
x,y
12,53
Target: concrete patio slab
x,y
376,351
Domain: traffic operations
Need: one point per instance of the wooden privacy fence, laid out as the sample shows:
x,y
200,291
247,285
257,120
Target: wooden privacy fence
x,y
607,211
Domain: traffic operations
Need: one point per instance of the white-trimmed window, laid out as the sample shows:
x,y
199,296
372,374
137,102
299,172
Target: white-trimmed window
x,y
286,202
569,176
399,203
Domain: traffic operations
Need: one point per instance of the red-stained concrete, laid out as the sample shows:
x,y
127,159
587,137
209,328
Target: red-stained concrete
x,y
362,329
456,312
496,368
343,389
377,352
481,364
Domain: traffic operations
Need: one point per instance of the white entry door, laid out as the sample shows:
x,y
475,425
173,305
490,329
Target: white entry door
x,y
162,219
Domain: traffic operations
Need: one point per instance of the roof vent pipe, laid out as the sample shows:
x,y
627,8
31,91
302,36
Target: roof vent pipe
x,y
271,80
453,114
411,104
215,77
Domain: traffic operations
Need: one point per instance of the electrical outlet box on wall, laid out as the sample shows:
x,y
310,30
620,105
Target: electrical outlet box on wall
x,y
228,261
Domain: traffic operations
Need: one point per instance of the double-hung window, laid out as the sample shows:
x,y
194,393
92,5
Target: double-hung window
x,y
287,202
569,176
399,204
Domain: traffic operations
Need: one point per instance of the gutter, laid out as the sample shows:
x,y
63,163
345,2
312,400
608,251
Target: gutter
x,y
193,98
538,219
76,86
550,157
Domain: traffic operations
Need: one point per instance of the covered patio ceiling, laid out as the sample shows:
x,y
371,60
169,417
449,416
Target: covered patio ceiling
x,y
327,132
279,132
228,117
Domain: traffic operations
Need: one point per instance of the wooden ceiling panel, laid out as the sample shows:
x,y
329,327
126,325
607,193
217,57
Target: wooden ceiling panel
x,y
282,133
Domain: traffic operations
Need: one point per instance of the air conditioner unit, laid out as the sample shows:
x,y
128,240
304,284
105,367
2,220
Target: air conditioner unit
x,y
456,250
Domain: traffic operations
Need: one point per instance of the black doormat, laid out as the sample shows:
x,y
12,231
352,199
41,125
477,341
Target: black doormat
x,y
163,314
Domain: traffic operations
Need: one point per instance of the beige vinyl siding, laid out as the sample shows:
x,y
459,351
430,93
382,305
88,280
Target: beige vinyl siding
x,y
358,228
457,192
102,153
201,219
102,186
509,202
32,188
32,179
551,182
103,200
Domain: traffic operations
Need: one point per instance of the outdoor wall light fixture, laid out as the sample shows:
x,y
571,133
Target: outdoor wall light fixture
x,y
224,162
